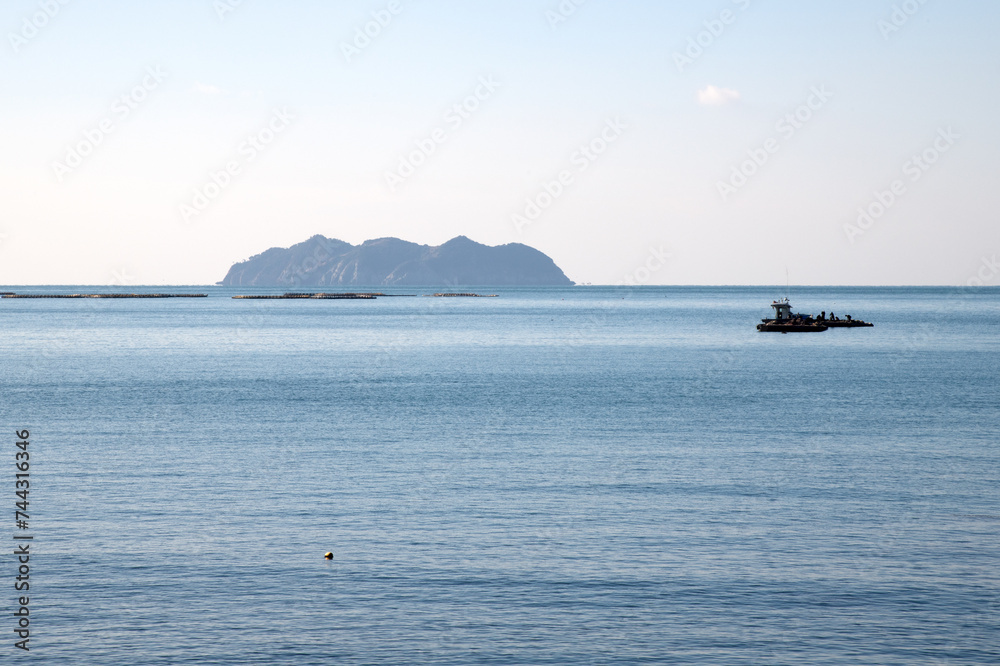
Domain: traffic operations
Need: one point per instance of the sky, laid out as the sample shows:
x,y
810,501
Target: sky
x,y
701,142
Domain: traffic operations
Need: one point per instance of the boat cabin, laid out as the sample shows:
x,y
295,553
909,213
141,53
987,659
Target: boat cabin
x,y
782,309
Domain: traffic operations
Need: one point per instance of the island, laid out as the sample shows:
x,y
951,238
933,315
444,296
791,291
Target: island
x,y
321,262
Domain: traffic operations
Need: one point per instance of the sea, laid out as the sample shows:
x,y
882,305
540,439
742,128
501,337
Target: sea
x,y
578,475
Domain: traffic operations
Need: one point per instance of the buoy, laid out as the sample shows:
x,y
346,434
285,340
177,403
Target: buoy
x,y
328,556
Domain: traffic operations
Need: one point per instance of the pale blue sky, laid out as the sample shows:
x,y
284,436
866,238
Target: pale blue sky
x,y
120,214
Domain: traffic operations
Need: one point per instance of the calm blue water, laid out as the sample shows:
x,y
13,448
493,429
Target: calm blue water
x,y
562,476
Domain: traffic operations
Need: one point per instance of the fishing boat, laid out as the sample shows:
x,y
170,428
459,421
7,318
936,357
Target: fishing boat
x,y
786,321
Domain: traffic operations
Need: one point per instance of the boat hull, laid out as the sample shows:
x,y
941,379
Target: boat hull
x,y
791,328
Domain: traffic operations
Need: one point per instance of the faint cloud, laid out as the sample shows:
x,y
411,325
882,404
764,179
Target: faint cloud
x,y
714,96
122,278
206,89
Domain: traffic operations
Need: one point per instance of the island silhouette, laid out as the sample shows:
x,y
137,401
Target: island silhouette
x,y
324,262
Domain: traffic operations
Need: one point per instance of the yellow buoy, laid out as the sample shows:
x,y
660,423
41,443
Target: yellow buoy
x,y
329,556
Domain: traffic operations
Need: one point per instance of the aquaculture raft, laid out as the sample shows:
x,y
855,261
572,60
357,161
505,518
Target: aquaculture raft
x,y
318,296
847,323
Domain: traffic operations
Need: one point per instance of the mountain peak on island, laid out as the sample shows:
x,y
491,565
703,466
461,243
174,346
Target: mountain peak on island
x,y
327,262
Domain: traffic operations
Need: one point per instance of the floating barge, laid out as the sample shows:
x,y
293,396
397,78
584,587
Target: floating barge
x,y
13,295
847,323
